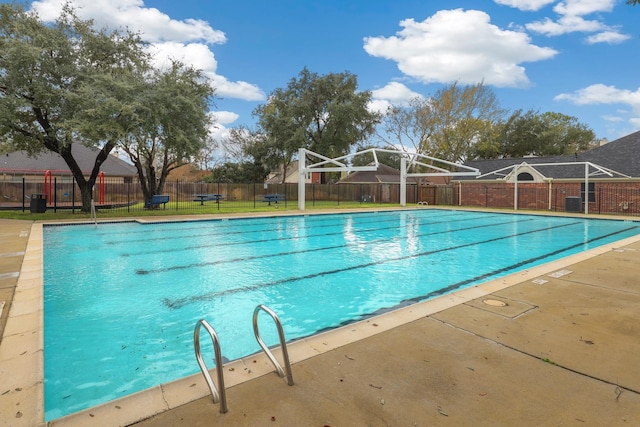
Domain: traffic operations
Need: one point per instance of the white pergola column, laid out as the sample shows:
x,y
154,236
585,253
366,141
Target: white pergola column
x,y
403,182
302,174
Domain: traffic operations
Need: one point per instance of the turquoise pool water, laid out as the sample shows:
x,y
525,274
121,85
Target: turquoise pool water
x,y
122,299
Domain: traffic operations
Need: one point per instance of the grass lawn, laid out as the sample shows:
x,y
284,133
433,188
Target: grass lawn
x,y
187,208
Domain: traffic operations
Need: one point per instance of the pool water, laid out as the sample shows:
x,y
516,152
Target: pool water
x,y
122,299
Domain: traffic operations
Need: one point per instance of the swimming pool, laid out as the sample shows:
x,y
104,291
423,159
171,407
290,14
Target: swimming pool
x,y
121,299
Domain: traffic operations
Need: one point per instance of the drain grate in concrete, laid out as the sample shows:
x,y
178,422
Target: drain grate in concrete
x,y
501,306
494,302
560,273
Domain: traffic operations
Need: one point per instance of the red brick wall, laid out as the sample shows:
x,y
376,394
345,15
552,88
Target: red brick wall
x,y
611,197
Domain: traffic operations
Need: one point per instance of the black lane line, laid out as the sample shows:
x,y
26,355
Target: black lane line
x,y
231,223
234,223
277,239
219,233
455,286
223,231
180,302
254,257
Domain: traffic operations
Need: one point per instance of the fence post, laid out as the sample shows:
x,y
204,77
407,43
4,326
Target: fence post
x,y
73,195
55,194
24,192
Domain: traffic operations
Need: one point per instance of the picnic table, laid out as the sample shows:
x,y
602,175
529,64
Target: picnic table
x,y
207,197
275,198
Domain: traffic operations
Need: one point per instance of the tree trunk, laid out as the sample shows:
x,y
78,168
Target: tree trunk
x,y
85,185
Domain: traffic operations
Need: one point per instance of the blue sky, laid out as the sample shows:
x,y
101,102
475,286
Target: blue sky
x,y
576,57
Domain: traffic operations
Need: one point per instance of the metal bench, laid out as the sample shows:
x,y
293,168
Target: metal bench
x,y
208,198
156,200
275,198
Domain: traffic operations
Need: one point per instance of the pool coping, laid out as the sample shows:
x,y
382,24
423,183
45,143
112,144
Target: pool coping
x,y
22,350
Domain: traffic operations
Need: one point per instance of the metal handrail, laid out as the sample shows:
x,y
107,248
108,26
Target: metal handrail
x,y
222,397
283,343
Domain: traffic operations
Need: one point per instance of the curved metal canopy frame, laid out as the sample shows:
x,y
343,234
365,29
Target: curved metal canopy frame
x,y
342,164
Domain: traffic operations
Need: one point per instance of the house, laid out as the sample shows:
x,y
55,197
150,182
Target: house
x,y
292,176
612,172
46,173
18,165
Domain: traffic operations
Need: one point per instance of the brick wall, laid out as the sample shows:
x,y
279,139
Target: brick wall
x,y
611,196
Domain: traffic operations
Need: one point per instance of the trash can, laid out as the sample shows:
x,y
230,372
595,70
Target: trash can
x,y
38,203
573,204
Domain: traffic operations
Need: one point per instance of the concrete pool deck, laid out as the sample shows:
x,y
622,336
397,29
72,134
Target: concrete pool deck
x,y
552,345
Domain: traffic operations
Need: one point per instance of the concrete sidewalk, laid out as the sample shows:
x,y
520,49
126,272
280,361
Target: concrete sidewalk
x,y
13,242
561,349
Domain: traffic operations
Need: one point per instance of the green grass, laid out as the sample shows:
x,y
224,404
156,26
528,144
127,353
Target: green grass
x,y
186,208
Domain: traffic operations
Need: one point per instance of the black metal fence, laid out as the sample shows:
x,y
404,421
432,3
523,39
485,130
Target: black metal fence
x,y
119,195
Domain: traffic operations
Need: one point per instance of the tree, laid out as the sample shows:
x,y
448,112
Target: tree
x,y
408,127
325,114
531,133
172,124
245,173
384,157
66,83
448,124
633,2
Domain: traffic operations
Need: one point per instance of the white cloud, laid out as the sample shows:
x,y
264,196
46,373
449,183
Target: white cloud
x,y
611,37
458,45
224,117
155,25
584,7
379,106
572,20
603,94
393,94
186,40
530,5
396,93
611,118
566,24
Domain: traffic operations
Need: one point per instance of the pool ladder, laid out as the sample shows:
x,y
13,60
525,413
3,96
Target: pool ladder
x,y
221,396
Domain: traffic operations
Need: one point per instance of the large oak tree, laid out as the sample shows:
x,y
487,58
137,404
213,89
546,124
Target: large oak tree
x,y
171,124
325,114
66,83
529,133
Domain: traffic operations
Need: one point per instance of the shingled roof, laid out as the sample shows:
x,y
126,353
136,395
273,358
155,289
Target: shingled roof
x,y
621,155
21,163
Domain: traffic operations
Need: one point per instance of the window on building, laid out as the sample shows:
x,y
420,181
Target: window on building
x,y
525,176
592,191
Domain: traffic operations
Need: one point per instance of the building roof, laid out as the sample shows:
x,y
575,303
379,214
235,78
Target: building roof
x,y
620,156
19,162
